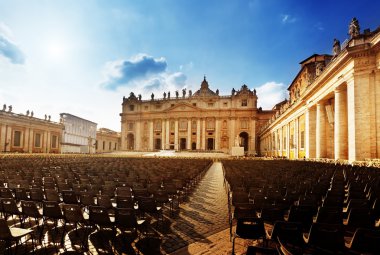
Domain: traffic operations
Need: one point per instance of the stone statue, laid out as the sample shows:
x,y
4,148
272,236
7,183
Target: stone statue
x,y
237,141
164,95
139,97
217,92
132,95
10,108
176,93
336,47
169,95
49,117
233,91
32,114
45,116
190,93
27,113
152,96
354,28
254,91
319,68
183,93
4,107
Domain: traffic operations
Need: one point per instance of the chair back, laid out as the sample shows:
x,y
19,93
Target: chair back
x,y
366,241
250,228
73,213
326,236
125,218
5,232
287,232
29,208
99,216
52,210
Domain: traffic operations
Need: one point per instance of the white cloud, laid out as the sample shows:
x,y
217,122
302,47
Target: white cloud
x,y
287,19
142,74
271,93
319,26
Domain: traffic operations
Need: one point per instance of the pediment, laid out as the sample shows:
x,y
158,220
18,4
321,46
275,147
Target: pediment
x,y
183,107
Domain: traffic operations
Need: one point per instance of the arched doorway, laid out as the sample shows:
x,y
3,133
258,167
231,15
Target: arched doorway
x,y
182,144
244,140
130,142
210,144
157,144
194,146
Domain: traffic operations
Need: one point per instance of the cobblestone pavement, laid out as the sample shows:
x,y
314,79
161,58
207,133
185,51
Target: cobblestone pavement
x,y
205,213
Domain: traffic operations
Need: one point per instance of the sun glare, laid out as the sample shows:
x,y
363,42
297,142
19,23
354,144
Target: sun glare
x,y
56,50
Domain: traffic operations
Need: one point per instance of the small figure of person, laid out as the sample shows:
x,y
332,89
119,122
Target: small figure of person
x,y
336,47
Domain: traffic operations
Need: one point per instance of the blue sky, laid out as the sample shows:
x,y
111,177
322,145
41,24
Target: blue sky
x,y
82,57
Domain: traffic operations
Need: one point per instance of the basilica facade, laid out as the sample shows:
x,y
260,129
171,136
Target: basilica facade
x,y
200,121
333,111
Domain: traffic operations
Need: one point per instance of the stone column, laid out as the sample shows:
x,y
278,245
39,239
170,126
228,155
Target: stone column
x,y
2,137
48,142
340,127
320,131
217,134
151,134
252,146
176,147
167,138
288,140
137,136
295,135
203,139
310,119
198,134
188,140
163,134
232,133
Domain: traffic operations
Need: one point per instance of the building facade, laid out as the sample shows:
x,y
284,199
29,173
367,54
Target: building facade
x,y
79,135
203,120
334,105
26,133
107,140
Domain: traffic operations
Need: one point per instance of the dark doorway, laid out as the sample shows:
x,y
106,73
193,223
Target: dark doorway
x,y
157,144
182,144
194,146
210,144
244,140
130,142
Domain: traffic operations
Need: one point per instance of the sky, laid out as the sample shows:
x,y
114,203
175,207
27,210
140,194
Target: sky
x,y
82,57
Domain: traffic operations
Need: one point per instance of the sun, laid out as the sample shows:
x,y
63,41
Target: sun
x,y
56,50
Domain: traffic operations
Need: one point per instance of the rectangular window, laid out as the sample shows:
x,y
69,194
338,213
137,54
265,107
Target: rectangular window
x,y
158,106
96,144
244,102
109,146
157,125
130,126
131,107
17,138
244,124
183,125
37,140
210,104
104,145
194,104
225,104
115,146
54,142
194,125
210,124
